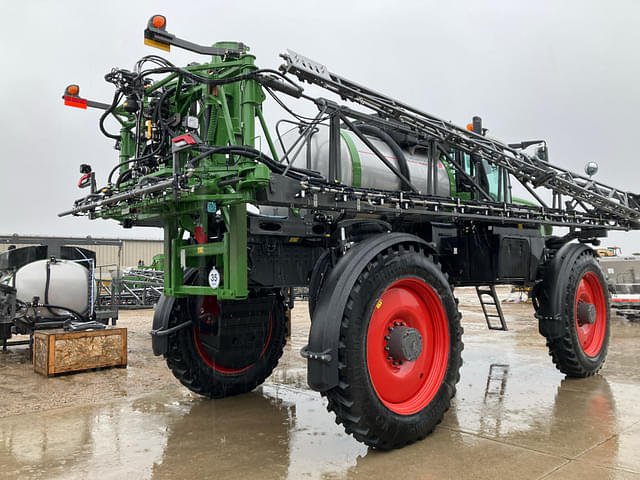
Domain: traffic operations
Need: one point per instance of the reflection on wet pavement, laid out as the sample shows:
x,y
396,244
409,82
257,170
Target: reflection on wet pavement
x,y
514,416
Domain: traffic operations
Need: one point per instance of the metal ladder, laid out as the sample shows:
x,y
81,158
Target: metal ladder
x,y
495,303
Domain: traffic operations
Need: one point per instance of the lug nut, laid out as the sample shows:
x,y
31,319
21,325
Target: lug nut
x,y
386,348
387,337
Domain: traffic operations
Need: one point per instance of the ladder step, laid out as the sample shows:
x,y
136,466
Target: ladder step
x,y
495,307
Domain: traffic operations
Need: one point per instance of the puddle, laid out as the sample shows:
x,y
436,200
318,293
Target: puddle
x,y
511,404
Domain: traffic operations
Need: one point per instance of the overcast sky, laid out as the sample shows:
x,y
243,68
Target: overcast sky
x,y
565,71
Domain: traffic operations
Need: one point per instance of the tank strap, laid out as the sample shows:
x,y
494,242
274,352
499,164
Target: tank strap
x,y
356,167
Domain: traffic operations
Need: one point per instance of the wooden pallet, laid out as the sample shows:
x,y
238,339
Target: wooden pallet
x,y
58,351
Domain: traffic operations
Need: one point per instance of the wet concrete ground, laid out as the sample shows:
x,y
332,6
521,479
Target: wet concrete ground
x,y
514,416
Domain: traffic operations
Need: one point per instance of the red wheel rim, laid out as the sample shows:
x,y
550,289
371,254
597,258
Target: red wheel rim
x,y
408,387
591,335
210,306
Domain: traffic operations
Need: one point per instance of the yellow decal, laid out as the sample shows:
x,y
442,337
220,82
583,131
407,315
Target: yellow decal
x,y
153,43
379,304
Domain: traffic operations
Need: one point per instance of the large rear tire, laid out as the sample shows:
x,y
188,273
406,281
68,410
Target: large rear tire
x,y
582,349
400,350
231,346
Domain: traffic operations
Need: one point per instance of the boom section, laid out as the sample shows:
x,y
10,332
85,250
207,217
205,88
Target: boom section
x,y
593,198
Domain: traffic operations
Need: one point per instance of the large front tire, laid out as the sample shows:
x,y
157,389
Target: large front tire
x,y
231,346
400,350
582,349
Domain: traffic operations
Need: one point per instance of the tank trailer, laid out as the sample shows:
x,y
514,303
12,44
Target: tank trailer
x,y
379,208
51,283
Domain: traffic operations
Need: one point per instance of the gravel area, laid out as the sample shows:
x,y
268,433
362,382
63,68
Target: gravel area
x,y
26,391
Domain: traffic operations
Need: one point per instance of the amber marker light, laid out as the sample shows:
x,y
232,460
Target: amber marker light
x,y
153,34
71,98
470,127
158,21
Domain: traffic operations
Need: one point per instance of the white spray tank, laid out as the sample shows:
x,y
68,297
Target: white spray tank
x,y
361,167
61,282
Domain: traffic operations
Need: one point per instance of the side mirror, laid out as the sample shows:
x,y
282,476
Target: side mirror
x,y
591,168
543,153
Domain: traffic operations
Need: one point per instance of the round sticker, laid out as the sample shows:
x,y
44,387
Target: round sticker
x,y
214,278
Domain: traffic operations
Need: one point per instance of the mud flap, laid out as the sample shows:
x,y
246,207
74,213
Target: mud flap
x,y
322,351
549,295
161,317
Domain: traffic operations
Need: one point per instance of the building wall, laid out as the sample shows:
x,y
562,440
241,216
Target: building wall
x,y
132,252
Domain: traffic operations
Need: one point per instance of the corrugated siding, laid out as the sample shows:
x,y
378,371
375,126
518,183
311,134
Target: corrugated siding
x,y
135,250
132,252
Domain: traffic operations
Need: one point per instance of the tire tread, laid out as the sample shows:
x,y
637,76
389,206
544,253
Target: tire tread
x,y
346,401
563,350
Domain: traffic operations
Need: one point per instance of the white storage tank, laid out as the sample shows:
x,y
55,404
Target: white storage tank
x,y
68,285
361,167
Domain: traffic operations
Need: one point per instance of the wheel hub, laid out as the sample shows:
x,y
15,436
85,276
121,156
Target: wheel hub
x,y
586,313
404,344
406,387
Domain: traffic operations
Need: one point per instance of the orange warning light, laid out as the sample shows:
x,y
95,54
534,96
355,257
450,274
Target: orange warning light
x,y
72,90
158,21
470,127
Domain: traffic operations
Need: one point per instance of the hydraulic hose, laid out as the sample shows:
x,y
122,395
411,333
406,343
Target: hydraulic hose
x,y
126,175
249,152
46,289
374,131
156,120
114,104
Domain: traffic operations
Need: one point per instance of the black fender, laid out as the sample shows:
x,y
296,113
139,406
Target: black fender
x,y
355,229
549,295
318,275
324,337
161,317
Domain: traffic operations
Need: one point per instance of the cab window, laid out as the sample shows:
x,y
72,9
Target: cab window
x,y
488,175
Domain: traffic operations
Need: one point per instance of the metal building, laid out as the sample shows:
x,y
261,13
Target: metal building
x,y
132,252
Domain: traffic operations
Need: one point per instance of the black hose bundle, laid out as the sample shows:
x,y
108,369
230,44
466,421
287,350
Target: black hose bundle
x,y
254,154
114,103
126,81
